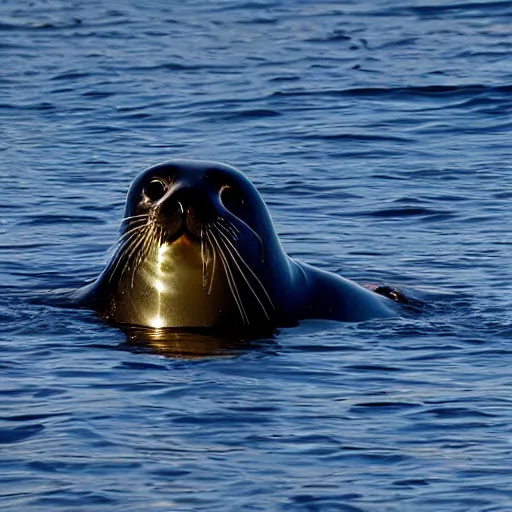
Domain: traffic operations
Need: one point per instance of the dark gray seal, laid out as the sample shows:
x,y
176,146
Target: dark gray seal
x,y
197,248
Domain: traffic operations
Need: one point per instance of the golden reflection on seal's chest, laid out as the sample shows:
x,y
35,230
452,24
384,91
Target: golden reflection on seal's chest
x,y
178,269
179,292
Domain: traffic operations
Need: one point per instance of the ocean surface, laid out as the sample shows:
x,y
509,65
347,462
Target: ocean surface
x,y
379,134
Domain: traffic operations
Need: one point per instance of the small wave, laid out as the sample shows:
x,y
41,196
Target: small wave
x,y
461,9
478,8
38,25
178,66
335,36
71,75
18,434
408,212
411,91
384,406
353,136
38,106
49,219
240,114
374,367
259,21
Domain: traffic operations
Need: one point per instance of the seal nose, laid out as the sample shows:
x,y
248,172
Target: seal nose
x,y
191,203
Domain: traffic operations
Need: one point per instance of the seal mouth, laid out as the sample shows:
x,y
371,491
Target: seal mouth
x,y
183,225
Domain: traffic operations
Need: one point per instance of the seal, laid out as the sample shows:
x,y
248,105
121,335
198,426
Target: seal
x,y
198,249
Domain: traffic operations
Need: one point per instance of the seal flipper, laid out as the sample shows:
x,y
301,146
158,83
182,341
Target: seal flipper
x,y
410,302
389,292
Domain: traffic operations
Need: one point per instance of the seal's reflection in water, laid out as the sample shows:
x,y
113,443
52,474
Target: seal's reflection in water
x,y
193,343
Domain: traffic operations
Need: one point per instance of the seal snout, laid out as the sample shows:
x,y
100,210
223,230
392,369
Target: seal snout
x,y
187,208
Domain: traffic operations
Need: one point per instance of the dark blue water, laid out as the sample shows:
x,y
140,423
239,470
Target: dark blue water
x,y
379,133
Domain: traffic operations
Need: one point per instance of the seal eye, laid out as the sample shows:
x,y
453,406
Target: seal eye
x,y
154,190
231,198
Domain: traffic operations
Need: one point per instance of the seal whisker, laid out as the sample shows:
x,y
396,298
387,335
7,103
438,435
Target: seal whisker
x,y
227,227
233,286
231,279
131,231
235,254
247,266
214,264
203,257
129,253
135,218
213,261
129,243
253,291
133,224
148,242
208,260
132,217
120,253
227,224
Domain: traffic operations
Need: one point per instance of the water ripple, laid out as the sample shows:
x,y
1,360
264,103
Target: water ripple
x,y
18,434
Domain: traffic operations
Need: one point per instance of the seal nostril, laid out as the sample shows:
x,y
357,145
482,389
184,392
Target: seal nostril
x,y
172,207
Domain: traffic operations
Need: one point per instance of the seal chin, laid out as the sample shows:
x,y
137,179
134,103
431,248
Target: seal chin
x,y
186,239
